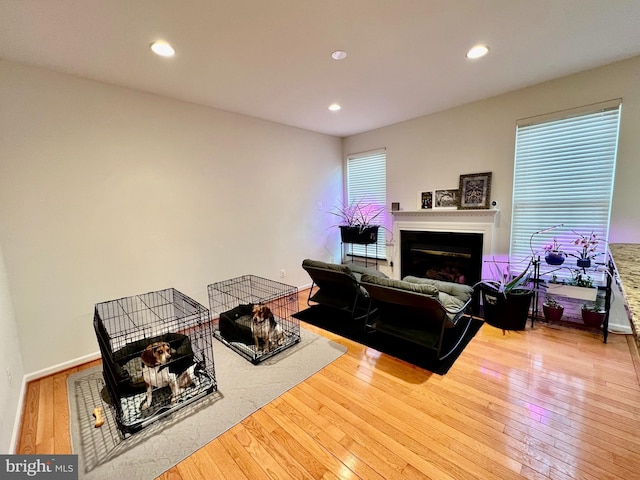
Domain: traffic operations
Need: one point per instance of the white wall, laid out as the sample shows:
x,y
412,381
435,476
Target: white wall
x,y
431,152
11,370
107,192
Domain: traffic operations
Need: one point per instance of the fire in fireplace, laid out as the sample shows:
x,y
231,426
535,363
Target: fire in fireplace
x,y
450,256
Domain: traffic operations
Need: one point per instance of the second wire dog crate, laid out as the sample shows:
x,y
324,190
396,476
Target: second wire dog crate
x,y
231,302
127,326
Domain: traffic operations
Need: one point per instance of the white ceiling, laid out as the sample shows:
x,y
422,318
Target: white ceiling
x,y
271,58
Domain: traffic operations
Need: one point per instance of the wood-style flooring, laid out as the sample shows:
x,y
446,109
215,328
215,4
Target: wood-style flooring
x,y
546,403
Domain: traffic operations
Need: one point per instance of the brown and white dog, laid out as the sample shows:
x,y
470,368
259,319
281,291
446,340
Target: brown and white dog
x,y
265,327
156,372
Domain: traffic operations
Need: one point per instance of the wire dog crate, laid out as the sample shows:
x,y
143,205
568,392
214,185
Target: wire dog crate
x,y
231,303
129,327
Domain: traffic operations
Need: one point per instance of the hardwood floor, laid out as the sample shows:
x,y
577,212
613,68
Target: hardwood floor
x,y
547,403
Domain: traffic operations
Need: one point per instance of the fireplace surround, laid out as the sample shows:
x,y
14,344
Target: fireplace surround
x,y
449,238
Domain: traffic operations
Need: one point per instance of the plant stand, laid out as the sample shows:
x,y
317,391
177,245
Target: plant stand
x,y
569,291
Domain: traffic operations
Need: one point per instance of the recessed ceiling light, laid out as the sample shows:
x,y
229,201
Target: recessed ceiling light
x,y
334,107
339,55
163,49
477,52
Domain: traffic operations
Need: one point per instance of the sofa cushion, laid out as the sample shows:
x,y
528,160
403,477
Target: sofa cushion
x,y
451,303
328,266
457,290
452,296
353,270
424,289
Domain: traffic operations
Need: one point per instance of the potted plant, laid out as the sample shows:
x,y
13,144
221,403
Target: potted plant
x,y
552,310
506,302
553,255
356,225
587,246
593,313
579,279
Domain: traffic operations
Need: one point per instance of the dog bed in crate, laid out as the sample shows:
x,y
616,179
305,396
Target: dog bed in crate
x,y
235,324
132,388
128,361
235,332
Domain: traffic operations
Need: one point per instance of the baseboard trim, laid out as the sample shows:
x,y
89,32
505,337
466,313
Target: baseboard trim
x,y
620,329
18,417
45,372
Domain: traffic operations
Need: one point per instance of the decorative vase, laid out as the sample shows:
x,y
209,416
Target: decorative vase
x,y
554,258
592,319
584,262
552,314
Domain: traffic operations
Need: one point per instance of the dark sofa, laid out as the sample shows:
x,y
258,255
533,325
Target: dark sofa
x,y
431,313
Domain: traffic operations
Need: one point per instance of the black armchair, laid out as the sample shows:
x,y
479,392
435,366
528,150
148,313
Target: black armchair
x,y
338,286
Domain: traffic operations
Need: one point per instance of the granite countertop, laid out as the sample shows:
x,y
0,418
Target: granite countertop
x,y
625,257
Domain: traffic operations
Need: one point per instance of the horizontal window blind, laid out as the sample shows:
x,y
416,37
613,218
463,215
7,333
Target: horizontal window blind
x,y
564,172
367,182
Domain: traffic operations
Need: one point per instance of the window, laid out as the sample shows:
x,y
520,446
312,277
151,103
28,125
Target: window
x,y
367,181
564,171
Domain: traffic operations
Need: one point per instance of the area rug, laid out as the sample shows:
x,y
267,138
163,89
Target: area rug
x,y
243,388
342,324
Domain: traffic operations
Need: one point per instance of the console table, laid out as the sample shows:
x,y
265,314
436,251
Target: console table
x,y
627,274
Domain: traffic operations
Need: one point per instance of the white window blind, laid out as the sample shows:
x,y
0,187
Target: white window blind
x,y
564,172
367,182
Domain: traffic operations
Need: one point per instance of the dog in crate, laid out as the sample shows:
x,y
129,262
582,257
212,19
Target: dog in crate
x,y
156,372
265,327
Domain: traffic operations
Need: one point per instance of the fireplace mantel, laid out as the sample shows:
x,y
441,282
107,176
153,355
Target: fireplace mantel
x,y
486,215
467,221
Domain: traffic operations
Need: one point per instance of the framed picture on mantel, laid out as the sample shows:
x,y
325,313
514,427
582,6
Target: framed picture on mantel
x,y
475,190
425,200
446,199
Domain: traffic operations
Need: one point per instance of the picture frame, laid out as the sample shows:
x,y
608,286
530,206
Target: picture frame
x,y
475,191
425,200
446,199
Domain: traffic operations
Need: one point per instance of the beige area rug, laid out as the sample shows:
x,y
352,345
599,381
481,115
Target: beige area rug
x,y
243,388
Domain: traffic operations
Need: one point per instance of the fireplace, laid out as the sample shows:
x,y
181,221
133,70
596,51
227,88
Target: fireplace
x,y
449,256
454,235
